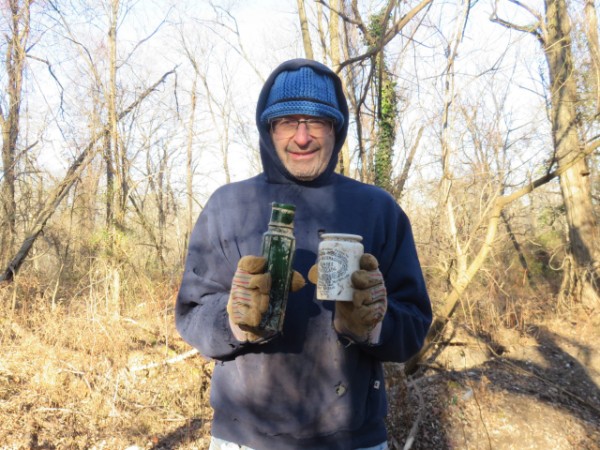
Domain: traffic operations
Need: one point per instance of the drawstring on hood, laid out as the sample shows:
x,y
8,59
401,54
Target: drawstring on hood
x,y
300,86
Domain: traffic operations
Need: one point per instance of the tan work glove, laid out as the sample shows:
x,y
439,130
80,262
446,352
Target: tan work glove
x,y
361,319
249,297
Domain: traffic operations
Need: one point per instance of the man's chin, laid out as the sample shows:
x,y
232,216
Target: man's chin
x,y
302,176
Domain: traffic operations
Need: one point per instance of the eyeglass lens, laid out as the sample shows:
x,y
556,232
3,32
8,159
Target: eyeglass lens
x,y
315,127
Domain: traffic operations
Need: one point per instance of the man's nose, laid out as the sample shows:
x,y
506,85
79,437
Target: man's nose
x,y
302,136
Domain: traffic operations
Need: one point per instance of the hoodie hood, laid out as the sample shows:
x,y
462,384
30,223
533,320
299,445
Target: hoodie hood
x,y
273,168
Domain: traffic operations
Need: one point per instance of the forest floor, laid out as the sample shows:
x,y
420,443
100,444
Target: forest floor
x,y
534,389
74,379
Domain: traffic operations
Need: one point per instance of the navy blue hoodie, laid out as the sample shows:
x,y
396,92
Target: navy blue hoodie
x,y
307,388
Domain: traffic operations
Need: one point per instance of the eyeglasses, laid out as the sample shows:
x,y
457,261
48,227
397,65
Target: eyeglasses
x,y
286,128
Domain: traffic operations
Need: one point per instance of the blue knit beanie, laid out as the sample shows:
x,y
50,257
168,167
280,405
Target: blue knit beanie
x,y
302,91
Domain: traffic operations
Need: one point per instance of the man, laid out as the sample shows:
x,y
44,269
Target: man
x,y
319,383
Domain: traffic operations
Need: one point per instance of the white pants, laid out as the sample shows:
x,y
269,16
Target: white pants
x,y
220,444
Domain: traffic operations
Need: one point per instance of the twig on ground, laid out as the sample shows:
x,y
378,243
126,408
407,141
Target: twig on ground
x,y
169,361
62,410
489,439
415,426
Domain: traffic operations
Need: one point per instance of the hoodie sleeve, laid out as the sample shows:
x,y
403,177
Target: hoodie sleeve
x,y
409,314
201,308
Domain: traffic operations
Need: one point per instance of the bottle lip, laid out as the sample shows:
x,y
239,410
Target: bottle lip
x,y
286,207
345,236
282,214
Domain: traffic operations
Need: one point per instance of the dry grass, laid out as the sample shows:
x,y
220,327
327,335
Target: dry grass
x,y
77,376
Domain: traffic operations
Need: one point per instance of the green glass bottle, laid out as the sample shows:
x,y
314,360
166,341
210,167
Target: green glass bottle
x,y
278,247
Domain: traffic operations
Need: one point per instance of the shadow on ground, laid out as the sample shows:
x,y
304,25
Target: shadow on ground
x,y
548,400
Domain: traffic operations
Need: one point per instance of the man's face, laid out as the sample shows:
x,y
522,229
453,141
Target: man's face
x,y
305,153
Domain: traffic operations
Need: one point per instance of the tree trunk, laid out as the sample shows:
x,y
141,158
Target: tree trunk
x,y
308,51
591,32
113,297
401,180
334,49
15,61
575,183
110,181
115,152
189,166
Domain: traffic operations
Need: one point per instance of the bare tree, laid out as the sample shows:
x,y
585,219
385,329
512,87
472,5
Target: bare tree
x,y
377,32
114,153
61,190
488,223
447,203
16,52
581,277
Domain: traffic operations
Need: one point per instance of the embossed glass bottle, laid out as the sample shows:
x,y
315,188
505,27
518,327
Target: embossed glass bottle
x,y
278,247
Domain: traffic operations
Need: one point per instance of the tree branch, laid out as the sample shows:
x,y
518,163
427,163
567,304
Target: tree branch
x,y
359,23
535,28
390,34
62,89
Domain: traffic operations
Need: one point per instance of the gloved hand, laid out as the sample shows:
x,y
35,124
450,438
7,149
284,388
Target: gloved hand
x,y
361,319
249,297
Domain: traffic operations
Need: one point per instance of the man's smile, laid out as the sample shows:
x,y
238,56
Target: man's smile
x,y
300,155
